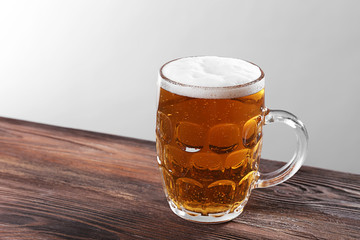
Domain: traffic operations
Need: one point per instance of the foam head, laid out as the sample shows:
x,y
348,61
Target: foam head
x,y
211,77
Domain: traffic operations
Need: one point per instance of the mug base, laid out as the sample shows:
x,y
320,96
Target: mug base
x,y
211,218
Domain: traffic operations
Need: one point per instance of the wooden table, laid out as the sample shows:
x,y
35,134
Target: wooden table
x,y
60,183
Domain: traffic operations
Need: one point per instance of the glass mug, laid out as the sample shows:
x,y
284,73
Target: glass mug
x,y
209,136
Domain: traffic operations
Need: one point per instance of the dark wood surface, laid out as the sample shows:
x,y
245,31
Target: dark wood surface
x,y
59,183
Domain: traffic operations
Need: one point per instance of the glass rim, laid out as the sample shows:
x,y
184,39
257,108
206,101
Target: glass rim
x,y
260,78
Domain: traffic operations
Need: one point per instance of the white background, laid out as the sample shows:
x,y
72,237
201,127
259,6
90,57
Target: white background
x,y
93,64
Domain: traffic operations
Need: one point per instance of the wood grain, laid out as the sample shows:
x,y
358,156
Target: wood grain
x,y
60,183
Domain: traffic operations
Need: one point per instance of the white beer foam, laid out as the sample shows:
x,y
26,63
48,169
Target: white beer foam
x,y
211,77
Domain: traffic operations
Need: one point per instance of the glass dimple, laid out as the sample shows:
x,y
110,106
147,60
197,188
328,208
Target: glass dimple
x,y
163,127
159,151
206,161
176,161
237,159
222,191
190,137
252,133
244,187
224,138
169,183
190,191
256,153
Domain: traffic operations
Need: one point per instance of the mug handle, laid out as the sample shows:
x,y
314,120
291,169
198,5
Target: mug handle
x,y
288,170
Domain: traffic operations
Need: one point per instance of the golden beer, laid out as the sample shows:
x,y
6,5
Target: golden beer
x,y
209,124
209,150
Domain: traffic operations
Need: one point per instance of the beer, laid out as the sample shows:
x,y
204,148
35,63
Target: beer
x,y
209,135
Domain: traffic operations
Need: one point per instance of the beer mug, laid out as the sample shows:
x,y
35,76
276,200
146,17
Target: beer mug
x,y
209,125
